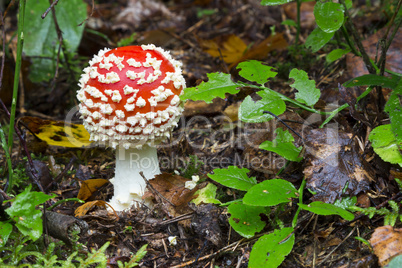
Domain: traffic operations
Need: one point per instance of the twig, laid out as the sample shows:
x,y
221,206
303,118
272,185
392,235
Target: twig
x,y
4,194
231,247
49,8
61,175
176,219
90,15
24,146
332,251
350,26
60,37
5,12
3,59
154,190
286,125
385,47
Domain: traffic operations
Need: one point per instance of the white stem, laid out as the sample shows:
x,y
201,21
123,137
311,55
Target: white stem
x,y
129,186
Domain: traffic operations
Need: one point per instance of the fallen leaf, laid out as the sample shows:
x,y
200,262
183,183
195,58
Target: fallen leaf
x,y
334,165
387,243
83,210
192,108
307,19
260,50
356,66
172,188
57,133
205,223
89,187
230,47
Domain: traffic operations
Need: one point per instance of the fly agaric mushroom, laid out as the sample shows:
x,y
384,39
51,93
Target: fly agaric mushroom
x,y
130,99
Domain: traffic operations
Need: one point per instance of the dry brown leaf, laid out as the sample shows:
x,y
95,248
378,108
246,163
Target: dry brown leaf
x,y
171,187
230,47
387,243
307,19
260,50
232,111
89,187
356,66
333,163
83,210
192,108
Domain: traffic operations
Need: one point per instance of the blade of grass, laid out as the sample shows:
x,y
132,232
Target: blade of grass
x,y
17,71
8,158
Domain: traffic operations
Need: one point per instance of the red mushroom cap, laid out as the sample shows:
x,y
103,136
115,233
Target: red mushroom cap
x,y
130,95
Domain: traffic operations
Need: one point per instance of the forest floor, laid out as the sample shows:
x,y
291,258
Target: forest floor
x,y
214,36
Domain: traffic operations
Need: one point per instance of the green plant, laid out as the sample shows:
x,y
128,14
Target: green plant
x,y
52,37
24,215
271,249
191,167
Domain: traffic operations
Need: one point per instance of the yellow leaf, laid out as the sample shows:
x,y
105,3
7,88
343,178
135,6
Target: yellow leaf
x,y
88,187
230,47
83,210
58,133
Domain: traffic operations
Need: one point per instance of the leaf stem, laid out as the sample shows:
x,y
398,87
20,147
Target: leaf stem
x,y
8,158
336,111
65,201
284,98
298,2
301,189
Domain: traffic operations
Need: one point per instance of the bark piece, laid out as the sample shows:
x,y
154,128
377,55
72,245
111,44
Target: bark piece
x,y
64,227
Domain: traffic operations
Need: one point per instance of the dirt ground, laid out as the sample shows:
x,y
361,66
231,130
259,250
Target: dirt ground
x,y
211,36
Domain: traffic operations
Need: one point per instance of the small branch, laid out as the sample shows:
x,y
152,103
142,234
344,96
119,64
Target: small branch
x,y
49,9
386,44
154,190
24,146
350,26
90,15
286,125
3,58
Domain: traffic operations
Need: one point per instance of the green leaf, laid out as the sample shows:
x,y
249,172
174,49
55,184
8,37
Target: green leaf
x,y
346,202
255,71
217,85
283,145
336,54
270,193
317,39
270,250
22,211
5,231
274,2
394,108
245,219
386,145
329,16
253,112
206,195
289,23
373,80
308,93
322,208
396,262
40,37
233,177
96,256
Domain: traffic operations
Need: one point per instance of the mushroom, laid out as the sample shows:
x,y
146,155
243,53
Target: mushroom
x,y
129,100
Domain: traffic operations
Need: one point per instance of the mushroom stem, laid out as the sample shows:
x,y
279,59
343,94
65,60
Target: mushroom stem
x,y
129,186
